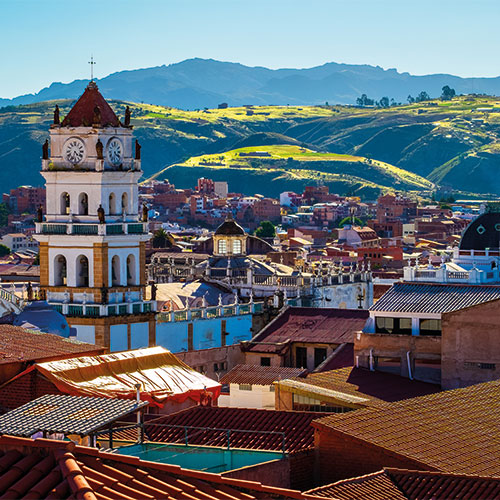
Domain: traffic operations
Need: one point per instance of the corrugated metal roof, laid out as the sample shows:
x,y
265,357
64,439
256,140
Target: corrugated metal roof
x,y
65,414
434,298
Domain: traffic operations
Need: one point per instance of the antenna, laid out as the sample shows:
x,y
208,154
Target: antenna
x,y
92,64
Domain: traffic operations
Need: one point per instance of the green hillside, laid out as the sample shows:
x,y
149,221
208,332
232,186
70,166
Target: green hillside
x,y
364,150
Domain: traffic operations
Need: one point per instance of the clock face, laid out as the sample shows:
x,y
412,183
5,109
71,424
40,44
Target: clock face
x,y
115,151
74,151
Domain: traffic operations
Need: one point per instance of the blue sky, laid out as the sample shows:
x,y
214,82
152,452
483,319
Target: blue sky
x,y
51,40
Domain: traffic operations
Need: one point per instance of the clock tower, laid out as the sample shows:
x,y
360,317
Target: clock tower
x,y
93,236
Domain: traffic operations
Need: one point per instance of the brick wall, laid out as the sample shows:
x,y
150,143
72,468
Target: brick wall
x,y
341,456
302,469
274,473
470,348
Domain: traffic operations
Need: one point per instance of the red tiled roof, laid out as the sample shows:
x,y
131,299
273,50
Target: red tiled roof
x,y
259,375
453,431
19,344
396,484
82,113
49,469
296,425
310,325
378,387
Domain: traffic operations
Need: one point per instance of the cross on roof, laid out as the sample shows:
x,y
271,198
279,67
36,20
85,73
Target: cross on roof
x,y
92,64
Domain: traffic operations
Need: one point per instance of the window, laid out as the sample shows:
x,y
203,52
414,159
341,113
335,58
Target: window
x,y
83,204
319,355
115,271
65,204
60,271
265,361
131,277
271,388
305,403
237,246
82,271
112,204
430,327
301,357
396,326
222,247
245,387
124,203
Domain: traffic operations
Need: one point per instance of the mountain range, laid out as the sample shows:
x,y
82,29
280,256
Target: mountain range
x,y
205,83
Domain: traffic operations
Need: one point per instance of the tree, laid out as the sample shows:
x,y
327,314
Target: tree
x,y
160,239
364,100
384,102
447,93
349,220
266,229
4,214
4,250
410,99
423,96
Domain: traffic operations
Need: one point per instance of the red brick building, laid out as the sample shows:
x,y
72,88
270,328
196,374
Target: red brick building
x,y
25,199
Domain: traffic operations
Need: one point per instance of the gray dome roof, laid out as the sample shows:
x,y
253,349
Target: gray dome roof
x,y
482,233
230,228
39,315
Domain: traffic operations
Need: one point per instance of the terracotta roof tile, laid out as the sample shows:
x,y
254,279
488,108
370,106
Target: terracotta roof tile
x,y
378,387
309,324
259,375
19,344
82,113
76,472
396,484
455,431
296,426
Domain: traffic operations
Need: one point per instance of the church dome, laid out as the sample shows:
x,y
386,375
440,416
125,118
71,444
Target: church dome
x,y
39,315
482,233
230,228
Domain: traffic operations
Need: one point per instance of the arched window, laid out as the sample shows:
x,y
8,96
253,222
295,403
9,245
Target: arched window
x,y
60,272
125,203
131,274
112,204
115,271
222,247
83,204
82,271
64,204
237,247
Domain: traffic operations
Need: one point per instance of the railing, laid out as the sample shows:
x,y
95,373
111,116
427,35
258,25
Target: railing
x,y
98,310
136,229
457,275
54,228
10,297
114,229
210,312
85,228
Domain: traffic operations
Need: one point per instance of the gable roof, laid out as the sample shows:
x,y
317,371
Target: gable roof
x,y
399,484
453,431
45,468
257,429
259,375
374,387
20,344
434,298
309,324
82,113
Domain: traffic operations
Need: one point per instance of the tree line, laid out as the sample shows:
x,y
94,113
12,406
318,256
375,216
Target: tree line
x,y
447,93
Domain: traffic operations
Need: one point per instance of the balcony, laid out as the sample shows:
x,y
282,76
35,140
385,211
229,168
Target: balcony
x,y
108,229
100,310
